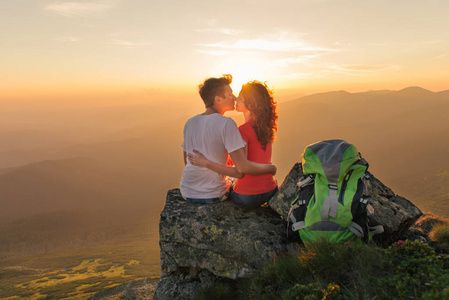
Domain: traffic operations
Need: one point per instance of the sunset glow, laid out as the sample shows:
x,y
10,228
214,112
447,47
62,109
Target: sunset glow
x,y
106,47
100,114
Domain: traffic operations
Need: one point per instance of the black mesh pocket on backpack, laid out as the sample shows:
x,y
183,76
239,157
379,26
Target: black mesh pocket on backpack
x,y
359,210
304,196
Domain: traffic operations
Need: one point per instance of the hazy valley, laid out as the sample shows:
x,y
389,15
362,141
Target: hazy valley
x,y
95,177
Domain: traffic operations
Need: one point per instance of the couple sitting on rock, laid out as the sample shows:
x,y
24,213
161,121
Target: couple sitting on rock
x,y
215,148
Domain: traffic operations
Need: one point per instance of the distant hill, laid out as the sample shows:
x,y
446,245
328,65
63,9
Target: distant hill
x,y
61,230
130,160
32,135
58,185
108,188
129,173
403,134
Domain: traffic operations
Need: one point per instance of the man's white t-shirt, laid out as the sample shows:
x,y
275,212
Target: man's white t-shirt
x,y
214,136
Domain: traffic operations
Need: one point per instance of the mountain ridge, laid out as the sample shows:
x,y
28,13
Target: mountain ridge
x,y
392,133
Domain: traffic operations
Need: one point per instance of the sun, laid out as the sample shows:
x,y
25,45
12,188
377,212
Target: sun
x,y
243,66
241,74
244,71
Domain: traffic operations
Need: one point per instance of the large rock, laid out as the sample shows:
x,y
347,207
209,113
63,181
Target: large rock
x,y
395,213
205,243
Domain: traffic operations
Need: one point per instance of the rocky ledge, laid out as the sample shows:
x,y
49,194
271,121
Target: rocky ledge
x,y
206,243
203,244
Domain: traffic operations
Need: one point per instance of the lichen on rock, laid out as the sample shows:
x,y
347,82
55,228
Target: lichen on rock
x,y
221,239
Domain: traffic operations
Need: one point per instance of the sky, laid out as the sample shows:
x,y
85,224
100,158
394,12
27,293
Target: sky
x,y
151,49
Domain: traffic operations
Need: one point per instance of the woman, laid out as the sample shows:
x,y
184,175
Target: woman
x,y
256,103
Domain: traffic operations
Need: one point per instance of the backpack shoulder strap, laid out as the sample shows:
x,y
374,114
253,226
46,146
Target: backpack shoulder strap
x,y
330,204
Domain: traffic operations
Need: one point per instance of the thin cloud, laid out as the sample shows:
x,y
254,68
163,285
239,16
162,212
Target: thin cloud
x,y
258,44
432,42
378,44
441,55
266,45
342,44
208,22
68,39
297,76
79,9
363,68
292,60
128,44
226,31
213,52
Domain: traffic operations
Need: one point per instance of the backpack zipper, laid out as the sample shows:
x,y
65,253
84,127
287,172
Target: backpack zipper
x,y
343,187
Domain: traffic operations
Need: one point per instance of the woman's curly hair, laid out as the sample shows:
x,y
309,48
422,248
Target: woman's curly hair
x,y
258,98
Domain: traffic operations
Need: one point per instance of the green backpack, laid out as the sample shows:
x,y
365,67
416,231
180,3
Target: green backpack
x,y
331,203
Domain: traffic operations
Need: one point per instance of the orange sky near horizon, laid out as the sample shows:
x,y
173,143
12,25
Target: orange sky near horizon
x,y
139,51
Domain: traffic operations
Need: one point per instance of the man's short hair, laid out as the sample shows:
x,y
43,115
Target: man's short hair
x,y
212,87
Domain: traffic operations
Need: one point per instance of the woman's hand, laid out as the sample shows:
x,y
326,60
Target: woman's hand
x,y
198,160
274,170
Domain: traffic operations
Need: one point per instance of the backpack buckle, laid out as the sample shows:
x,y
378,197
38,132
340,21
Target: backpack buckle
x,y
332,186
306,181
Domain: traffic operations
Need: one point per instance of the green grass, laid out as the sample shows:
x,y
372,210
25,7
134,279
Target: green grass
x,y
440,235
78,274
405,270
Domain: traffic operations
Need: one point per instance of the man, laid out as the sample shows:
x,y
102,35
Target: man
x,y
214,135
